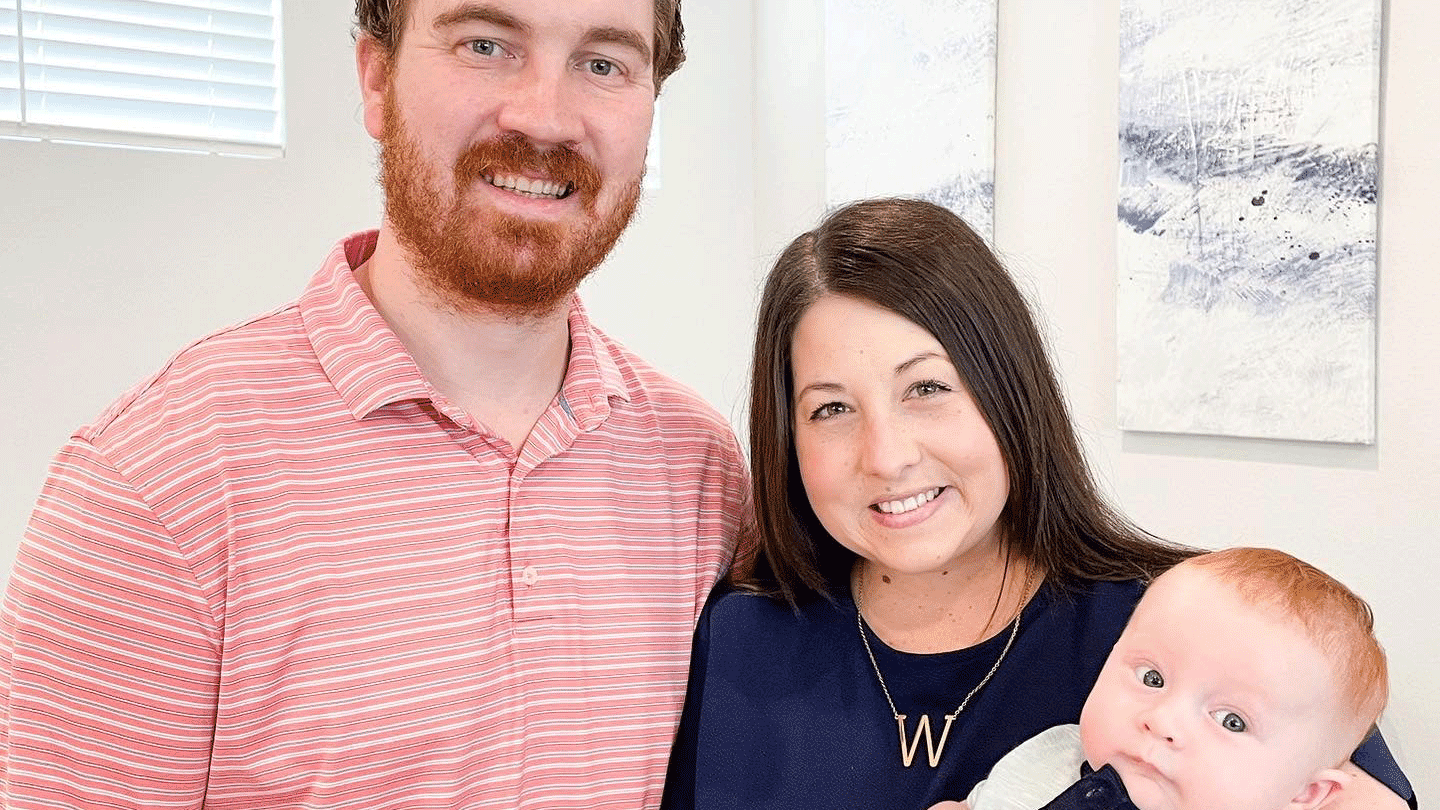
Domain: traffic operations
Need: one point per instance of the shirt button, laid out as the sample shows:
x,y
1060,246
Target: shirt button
x,y
530,575
1097,793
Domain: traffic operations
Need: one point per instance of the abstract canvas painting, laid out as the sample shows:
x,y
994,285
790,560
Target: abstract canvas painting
x,y
910,103
1247,217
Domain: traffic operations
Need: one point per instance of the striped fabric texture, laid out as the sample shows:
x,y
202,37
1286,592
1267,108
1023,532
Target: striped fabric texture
x,y
286,573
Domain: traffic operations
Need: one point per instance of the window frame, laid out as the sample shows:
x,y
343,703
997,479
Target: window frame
x,y
25,129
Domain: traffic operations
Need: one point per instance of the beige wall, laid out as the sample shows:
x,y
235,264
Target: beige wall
x,y
1369,515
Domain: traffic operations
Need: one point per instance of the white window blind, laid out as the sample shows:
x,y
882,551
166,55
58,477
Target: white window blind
x,y
182,73
9,62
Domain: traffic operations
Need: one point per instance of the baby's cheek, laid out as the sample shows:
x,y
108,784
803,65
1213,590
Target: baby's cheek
x,y
1098,727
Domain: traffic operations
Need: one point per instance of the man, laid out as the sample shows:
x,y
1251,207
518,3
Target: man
x,y
425,537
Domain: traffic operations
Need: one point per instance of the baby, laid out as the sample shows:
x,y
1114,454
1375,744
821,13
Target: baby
x,y
1243,681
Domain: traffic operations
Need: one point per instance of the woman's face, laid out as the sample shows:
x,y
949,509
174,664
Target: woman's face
x,y
898,462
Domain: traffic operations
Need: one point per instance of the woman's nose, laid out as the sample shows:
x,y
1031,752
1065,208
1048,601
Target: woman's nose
x,y
889,448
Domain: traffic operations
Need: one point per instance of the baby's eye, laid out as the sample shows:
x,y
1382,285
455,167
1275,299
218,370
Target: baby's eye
x,y
1230,721
1150,677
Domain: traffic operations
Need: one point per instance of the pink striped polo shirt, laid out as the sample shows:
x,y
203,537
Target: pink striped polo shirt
x,y
286,573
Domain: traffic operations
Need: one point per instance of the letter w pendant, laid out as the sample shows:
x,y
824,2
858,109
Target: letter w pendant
x,y
908,747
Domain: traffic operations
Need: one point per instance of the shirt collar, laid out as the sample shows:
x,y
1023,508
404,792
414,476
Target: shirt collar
x,y
1101,788
364,359
594,375
371,368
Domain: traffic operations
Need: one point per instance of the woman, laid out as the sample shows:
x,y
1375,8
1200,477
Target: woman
x,y
936,576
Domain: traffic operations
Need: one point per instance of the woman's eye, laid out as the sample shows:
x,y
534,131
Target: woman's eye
x,y
1230,721
827,410
1150,677
929,388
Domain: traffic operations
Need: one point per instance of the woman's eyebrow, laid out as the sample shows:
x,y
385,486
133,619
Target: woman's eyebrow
x,y
819,387
825,386
917,359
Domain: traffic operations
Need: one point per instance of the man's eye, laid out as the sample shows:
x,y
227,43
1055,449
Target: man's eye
x,y
1150,677
602,67
484,47
1230,721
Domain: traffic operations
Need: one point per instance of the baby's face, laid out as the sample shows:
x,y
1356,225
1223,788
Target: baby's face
x,y
1207,702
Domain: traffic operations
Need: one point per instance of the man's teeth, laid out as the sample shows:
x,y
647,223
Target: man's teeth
x,y
529,188
909,504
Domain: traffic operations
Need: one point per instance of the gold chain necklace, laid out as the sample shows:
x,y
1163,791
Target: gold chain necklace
x,y
909,747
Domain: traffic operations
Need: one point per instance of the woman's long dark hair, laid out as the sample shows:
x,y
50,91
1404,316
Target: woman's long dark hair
x,y
925,264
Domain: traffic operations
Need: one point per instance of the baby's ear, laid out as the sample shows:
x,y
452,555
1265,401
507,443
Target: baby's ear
x,y
1323,785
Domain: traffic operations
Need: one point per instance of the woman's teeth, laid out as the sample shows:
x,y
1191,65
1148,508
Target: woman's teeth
x,y
909,504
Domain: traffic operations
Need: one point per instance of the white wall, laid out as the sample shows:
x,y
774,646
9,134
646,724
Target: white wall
x,y
680,288
1370,515
111,260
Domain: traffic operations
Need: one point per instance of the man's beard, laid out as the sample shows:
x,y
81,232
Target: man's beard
x,y
478,257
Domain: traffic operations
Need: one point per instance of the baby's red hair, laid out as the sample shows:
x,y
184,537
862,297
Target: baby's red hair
x,y
1339,623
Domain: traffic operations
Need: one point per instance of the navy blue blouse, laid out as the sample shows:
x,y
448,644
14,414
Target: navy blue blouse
x,y
783,709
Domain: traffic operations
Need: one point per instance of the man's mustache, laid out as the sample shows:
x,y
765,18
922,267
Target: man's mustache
x,y
513,153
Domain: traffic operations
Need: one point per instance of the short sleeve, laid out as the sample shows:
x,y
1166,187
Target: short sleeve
x,y
1033,774
109,654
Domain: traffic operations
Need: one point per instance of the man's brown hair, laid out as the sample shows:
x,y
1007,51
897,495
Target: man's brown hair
x,y
384,21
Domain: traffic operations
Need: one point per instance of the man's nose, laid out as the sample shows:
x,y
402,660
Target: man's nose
x,y
540,104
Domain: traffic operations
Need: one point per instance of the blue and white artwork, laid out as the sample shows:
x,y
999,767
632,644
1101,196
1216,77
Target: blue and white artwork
x,y
910,103
1247,279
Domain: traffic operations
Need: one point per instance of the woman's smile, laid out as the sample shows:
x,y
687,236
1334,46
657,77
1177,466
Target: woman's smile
x,y
910,504
911,511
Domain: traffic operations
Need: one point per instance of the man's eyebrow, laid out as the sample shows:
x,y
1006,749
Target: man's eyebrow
x,y
620,36
480,12
484,12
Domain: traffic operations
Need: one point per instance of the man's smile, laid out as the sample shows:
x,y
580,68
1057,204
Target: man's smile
x,y
538,189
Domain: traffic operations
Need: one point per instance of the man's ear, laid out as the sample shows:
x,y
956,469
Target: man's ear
x,y
1323,785
372,65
